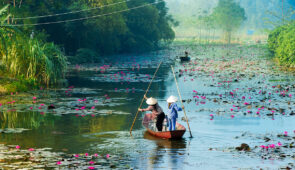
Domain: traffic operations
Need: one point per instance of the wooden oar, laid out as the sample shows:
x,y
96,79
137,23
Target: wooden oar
x,y
181,101
144,98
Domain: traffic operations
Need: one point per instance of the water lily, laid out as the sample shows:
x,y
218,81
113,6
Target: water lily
x,y
58,162
17,147
31,149
286,133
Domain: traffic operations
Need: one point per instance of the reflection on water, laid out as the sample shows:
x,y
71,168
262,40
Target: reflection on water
x,y
166,149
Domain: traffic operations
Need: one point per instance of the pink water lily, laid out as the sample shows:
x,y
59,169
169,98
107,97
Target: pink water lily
x,y
286,133
91,167
91,162
77,155
108,155
31,149
17,147
58,162
279,144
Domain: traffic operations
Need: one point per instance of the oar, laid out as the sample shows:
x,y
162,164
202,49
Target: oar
x,y
181,101
144,98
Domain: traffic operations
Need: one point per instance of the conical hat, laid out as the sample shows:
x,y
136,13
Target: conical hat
x,y
172,99
151,101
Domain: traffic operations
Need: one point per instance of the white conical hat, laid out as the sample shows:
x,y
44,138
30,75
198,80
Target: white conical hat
x,y
151,101
172,99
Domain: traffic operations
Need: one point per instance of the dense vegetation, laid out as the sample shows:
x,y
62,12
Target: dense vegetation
x,y
33,53
281,43
28,59
134,30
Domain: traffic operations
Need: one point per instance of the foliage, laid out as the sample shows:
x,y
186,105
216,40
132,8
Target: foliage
x,y
84,55
273,38
229,16
281,43
21,85
136,30
30,58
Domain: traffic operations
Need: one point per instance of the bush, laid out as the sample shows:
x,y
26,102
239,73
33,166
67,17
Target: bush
x,y
285,51
21,85
272,41
84,55
281,43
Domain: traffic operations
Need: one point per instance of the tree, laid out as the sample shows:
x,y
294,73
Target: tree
x,y
229,16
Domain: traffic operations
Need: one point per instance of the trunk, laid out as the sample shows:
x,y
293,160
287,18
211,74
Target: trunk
x,y
228,37
213,35
20,3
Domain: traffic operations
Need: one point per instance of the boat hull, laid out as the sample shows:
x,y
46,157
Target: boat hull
x,y
183,59
176,134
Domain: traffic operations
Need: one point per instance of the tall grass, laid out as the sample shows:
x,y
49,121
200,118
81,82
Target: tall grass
x,y
30,58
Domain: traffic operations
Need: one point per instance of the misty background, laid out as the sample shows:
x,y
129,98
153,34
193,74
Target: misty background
x,y
259,14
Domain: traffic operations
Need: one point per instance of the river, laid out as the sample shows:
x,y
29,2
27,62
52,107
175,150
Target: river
x,y
219,81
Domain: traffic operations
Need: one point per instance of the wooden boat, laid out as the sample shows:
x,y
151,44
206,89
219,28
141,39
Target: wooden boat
x,y
184,58
176,134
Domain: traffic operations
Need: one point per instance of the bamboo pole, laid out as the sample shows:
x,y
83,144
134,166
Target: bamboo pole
x,y
181,101
144,98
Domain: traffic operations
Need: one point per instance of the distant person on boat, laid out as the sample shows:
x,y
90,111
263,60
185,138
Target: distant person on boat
x,y
173,112
157,112
186,54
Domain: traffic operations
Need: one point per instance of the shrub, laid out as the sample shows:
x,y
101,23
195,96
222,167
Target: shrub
x,y
281,44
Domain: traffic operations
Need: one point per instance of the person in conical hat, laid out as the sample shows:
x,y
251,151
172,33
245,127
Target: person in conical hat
x,y
157,112
173,112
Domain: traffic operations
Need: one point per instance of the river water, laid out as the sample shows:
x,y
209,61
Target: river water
x,y
217,78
